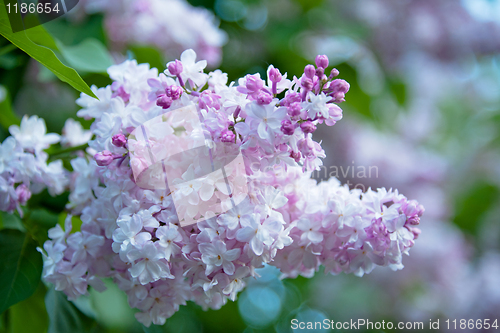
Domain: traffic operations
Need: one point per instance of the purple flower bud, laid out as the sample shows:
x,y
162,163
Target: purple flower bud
x,y
104,158
340,85
294,109
335,111
175,67
307,127
119,140
416,232
334,73
264,98
275,75
420,210
295,155
227,136
310,71
320,72
322,61
290,98
338,97
306,83
164,101
287,127
254,83
23,194
209,99
414,220
339,88
174,92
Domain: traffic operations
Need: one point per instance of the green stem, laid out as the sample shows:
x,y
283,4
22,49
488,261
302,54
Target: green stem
x,y
67,151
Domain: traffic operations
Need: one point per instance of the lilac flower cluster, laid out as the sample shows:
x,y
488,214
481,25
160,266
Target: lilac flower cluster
x,y
145,22
344,230
134,235
24,167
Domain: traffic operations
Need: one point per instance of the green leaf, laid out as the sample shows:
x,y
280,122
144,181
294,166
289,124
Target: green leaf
x,y
7,116
11,221
42,54
42,37
20,267
64,316
32,308
89,56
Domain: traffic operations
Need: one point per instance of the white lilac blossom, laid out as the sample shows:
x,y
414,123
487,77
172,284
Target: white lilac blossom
x,y
139,236
24,166
73,134
170,25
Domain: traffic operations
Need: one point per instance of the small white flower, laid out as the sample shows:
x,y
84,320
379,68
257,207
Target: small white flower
x,y
31,134
73,134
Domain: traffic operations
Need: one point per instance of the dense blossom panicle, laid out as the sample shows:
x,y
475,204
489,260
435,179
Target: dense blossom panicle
x,y
135,230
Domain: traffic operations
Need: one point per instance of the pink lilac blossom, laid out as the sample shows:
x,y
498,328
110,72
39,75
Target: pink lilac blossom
x,y
136,236
170,25
24,166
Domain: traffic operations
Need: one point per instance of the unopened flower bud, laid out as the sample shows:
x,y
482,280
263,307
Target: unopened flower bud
x,y
339,85
254,83
264,98
310,71
414,220
174,92
416,232
421,210
295,155
294,109
275,75
227,136
164,101
104,158
322,61
175,67
320,72
306,83
287,127
119,140
307,127
334,73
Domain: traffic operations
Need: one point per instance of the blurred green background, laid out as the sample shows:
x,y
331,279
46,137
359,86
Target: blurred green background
x,y
423,107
